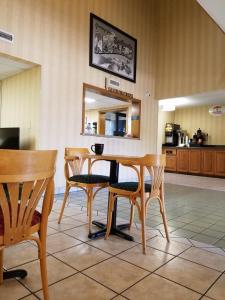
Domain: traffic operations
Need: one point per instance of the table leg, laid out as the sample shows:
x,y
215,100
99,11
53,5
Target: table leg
x,y
116,230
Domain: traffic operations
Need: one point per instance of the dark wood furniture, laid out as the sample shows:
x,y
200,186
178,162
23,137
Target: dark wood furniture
x,y
208,161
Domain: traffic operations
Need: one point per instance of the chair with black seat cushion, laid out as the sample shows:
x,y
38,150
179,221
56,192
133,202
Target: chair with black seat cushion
x,y
26,177
74,161
155,165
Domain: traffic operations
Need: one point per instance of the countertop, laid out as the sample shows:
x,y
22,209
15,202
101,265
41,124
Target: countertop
x,y
195,146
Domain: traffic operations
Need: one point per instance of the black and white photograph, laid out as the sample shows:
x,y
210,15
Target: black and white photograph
x,y
112,50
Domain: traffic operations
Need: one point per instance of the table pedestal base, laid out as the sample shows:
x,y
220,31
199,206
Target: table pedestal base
x,y
15,273
114,230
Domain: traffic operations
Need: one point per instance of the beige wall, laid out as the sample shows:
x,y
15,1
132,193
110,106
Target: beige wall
x,y
191,118
20,105
55,34
191,50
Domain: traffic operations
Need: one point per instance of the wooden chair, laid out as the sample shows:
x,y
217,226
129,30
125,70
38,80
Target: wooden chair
x,y
74,161
26,176
145,192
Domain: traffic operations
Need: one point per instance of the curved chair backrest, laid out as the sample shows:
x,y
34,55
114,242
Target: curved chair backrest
x,y
155,164
75,161
24,177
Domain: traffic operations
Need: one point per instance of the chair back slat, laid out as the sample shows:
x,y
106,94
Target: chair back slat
x,y
155,164
75,166
22,185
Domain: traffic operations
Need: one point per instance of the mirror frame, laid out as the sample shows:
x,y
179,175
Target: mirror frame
x,y
108,93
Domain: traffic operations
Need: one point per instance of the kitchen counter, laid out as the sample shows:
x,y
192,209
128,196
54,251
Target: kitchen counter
x,y
208,160
194,146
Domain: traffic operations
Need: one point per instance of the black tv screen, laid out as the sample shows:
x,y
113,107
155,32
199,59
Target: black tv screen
x,y
10,138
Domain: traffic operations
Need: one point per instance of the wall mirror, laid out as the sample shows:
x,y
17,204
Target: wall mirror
x,y
110,114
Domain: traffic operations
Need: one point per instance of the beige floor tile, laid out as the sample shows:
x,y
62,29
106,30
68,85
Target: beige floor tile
x,y
218,290
53,216
51,231
31,297
82,256
154,287
205,258
151,261
119,298
81,218
19,254
172,247
136,234
116,274
60,241
12,290
56,271
114,245
69,210
78,287
65,224
206,298
189,274
80,232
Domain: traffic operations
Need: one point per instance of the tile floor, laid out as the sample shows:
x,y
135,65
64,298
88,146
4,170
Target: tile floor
x,y
78,268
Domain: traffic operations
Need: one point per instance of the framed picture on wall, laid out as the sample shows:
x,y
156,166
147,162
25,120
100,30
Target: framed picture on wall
x,y
112,50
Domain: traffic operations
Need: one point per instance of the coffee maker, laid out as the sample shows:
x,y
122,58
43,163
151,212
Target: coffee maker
x,y
171,134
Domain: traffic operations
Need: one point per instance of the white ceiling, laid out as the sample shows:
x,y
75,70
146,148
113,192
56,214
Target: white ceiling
x,y
101,101
216,10
9,67
210,98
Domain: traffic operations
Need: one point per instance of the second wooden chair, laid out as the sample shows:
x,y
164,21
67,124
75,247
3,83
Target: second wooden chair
x,y
74,162
155,165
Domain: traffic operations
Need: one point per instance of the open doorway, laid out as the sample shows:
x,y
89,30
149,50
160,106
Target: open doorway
x,y
20,98
195,171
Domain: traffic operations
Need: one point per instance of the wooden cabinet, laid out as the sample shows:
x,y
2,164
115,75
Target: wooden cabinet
x,y
171,159
194,161
207,162
182,161
219,163
201,161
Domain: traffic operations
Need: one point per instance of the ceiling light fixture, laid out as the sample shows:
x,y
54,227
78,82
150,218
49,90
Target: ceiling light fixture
x,y
89,100
168,107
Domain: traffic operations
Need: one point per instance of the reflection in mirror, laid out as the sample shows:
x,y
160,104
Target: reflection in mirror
x,y
107,113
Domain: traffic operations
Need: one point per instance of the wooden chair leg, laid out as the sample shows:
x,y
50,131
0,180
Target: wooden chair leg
x,y
162,211
64,203
1,266
43,268
131,215
89,205
110,210
143,228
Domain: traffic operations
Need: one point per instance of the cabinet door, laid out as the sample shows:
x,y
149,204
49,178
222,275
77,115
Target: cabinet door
x,y
207,162
171,158
171,163
195,161
220,163
182,160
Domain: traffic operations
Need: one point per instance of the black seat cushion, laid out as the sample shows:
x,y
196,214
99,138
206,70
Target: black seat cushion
x,y
91,179
130,186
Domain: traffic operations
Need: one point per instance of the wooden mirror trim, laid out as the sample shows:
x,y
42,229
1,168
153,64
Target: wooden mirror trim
x,y
110,94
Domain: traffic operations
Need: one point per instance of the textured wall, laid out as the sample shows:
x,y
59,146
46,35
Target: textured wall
x,y
55,34
20,105
191,50
191,118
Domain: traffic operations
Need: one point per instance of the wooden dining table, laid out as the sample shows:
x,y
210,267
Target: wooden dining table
x,y
113,178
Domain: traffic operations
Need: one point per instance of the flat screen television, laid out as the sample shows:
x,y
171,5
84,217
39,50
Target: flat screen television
x,y
10,138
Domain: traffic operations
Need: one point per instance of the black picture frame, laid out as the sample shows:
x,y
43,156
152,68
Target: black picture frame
x,y
112,50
